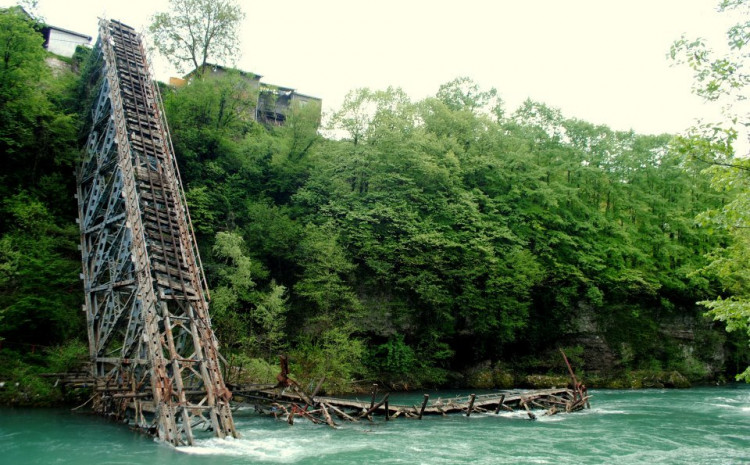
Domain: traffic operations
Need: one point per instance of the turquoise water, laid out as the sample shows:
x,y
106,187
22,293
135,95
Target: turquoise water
x,y
694,426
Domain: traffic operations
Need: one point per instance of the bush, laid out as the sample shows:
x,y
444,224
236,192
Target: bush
x,y
394,360
67,357
25,387
333,354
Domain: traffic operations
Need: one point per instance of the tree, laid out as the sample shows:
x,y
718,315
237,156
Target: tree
x,y
722,78
464,94
248,321
21,63
194,30
39,289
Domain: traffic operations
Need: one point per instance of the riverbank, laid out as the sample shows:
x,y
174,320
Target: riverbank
x,y
35,390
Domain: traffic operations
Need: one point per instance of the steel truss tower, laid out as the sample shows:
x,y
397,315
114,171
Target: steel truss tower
x,y
154,355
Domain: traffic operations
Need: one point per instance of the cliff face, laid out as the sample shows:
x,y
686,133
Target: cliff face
x,y
699,342
628,340
57,66
598,356
622,347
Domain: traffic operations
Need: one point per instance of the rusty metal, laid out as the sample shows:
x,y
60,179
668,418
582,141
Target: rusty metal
x,y
154,355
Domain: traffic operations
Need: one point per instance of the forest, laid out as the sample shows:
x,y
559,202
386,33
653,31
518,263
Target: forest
x,y
445,242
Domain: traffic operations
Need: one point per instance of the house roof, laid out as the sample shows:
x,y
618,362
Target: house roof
x,y
49,26
297,94
264,87
275,88
67,31
224,68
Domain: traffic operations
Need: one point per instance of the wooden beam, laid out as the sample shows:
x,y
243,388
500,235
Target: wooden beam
x,y
424,404
500,404
375,407
471,405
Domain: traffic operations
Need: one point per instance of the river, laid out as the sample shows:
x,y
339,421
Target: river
x,y
707,425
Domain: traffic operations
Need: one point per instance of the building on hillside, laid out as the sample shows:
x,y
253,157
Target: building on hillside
x,y
62,41
57,40
273,102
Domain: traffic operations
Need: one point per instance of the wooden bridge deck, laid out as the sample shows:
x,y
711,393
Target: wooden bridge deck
x,y
551,401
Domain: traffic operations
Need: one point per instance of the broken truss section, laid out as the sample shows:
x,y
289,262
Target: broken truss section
x,y
154,355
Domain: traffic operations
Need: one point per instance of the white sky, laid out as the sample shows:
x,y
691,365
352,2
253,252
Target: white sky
x,y
603,61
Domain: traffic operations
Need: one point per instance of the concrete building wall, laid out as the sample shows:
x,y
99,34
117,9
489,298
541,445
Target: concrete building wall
x,y
64,43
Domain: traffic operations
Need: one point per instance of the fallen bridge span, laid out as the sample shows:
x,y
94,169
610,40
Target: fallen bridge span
x,y
291,403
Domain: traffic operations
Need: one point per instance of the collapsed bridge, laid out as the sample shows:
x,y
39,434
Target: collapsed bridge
x,y
154,359
154,356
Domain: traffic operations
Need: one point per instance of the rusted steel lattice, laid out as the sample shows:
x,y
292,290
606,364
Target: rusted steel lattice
x,y
154,355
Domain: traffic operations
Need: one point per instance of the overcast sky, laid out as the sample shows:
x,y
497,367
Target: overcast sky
x,y
603,61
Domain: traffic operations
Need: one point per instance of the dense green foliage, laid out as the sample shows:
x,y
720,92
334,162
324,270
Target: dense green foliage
x,y
426,237
40,293
720,78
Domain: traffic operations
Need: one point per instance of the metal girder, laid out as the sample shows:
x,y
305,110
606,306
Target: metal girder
x,y
155,357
